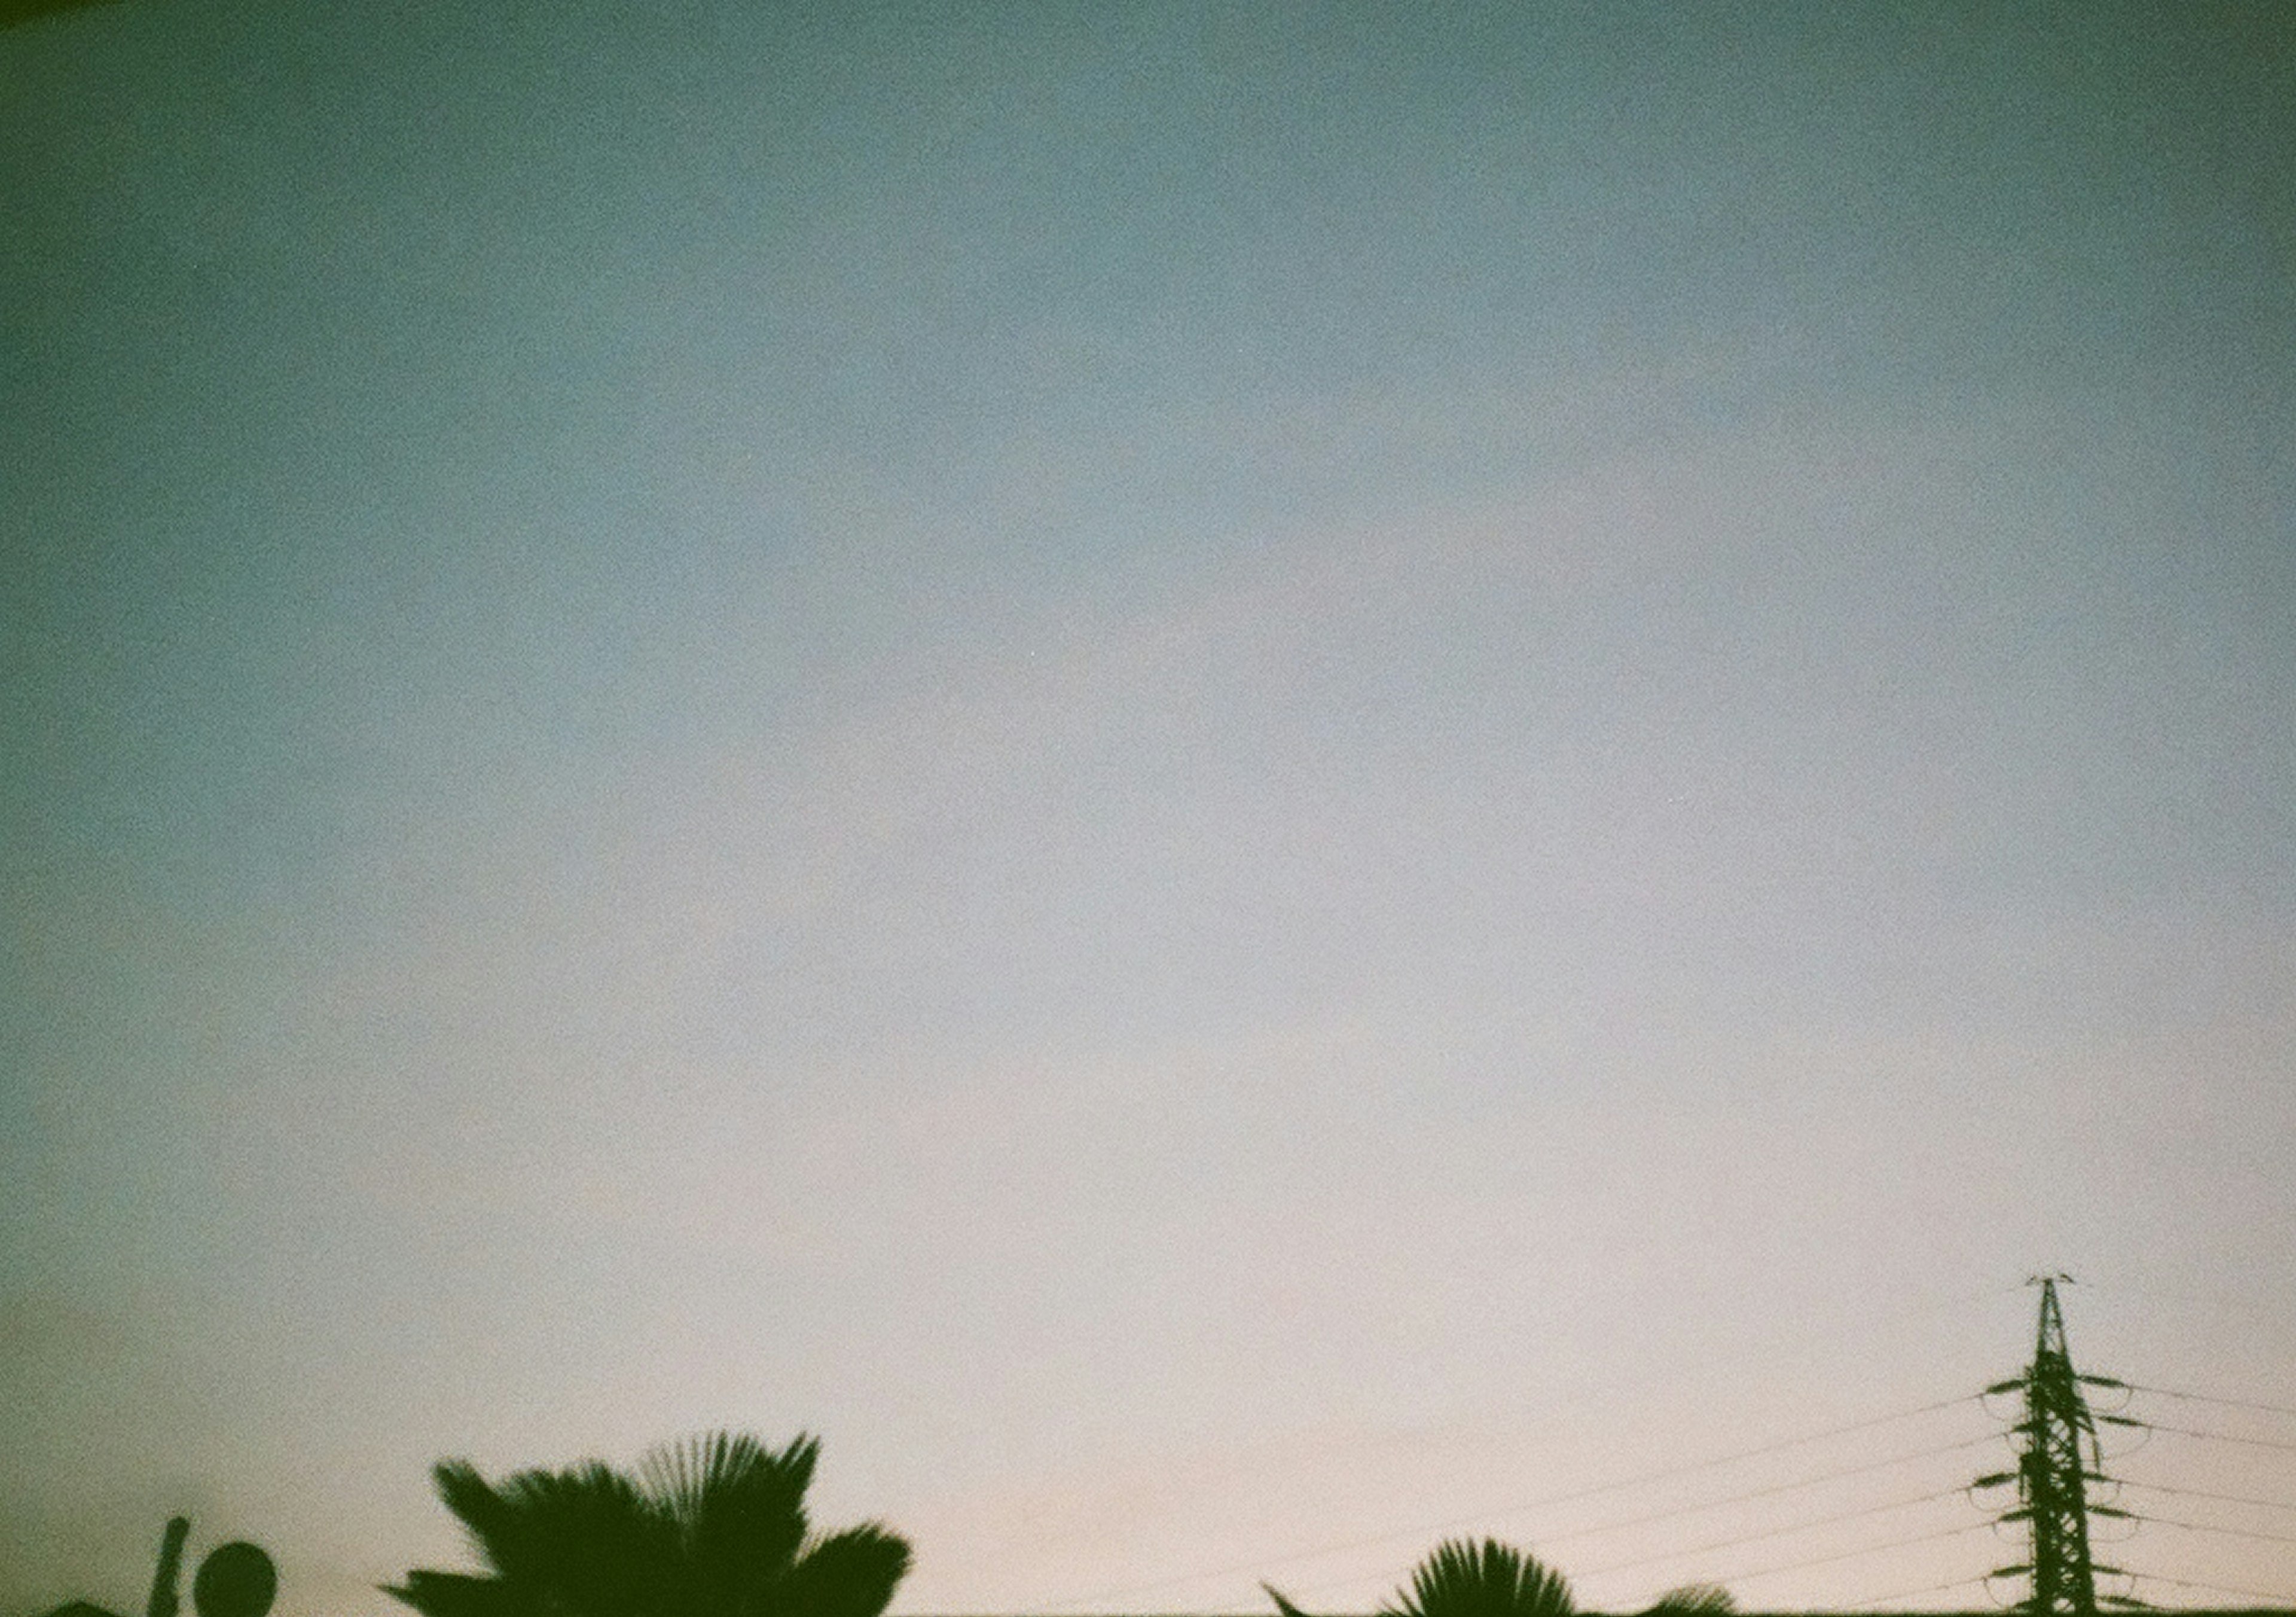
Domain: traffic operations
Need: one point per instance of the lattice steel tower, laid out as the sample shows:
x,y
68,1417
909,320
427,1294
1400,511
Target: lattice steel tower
x,y
2057,1457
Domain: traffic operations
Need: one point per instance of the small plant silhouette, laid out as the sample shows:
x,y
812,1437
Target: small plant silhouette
x,y
712,1527
1461,1579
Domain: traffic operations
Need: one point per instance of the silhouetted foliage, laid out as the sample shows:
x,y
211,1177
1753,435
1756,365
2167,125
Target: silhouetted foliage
x,y
1494,1580
1464,1580
1486,1579
163,1600
237,1580
712,1527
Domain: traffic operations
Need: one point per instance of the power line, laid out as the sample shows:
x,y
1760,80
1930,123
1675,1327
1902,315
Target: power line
x,y
2232,1532
2226,1499
2221,1437
1935,1588
2207,1397
1773,1532
1665,1475
2217,1589
1763,1493
1709,1505
1870,1549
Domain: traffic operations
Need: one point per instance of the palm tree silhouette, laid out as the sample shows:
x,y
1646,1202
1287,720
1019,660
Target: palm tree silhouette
x,y
712,1527
1460,1579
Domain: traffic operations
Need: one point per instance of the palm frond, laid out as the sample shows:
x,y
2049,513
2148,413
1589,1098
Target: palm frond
x,y
1488,1580
680,1477
460,1595
738,1508
712,1527
599,1545
491,1520
1695,1600
1284,1608
583,1540
851,1573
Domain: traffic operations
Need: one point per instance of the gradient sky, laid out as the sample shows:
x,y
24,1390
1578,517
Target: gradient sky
x,y
1231,778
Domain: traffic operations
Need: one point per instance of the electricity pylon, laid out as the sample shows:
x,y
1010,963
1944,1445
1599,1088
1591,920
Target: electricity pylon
x,y
2057,1457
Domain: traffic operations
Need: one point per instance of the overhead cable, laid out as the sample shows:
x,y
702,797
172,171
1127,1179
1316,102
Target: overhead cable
x,y
2232,1532
1870,1549
1763,1493
1774,1532
2196,1493
2223,1437
2280,1599
2209,1398
1456,1522
1935,1588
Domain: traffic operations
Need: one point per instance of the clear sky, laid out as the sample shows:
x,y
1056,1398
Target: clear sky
x,y
1229,778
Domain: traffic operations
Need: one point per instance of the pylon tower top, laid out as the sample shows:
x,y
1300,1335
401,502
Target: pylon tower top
x,y
2049,1333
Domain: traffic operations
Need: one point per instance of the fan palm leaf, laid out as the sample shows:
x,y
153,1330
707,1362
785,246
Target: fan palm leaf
x,y
712,1527
851,1573
1464,1579
738,1509
1488,1580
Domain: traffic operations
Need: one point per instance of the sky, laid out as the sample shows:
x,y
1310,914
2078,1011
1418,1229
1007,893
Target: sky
x,y
1239,781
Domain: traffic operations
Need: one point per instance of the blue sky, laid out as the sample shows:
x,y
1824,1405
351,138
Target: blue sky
x,y
1228,777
